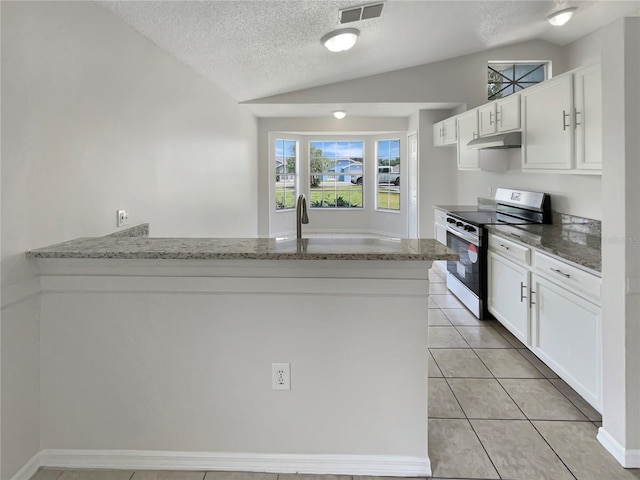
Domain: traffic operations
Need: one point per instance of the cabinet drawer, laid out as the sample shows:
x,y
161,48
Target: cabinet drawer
x,y
510,249
441,217
568,276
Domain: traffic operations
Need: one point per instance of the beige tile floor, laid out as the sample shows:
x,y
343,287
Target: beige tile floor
x,y
496,412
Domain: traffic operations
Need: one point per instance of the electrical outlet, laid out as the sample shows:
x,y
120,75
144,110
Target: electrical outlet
x,y
280,376
122,218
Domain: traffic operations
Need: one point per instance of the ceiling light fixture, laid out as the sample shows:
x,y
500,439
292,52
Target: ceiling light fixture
x,y
339,114
340,40
560,17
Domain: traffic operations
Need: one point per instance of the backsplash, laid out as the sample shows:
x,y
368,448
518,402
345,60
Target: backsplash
x,y
141,230
577,224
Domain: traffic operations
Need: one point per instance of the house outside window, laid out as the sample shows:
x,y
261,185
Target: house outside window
x,y
388,175
336,174
285,182
503,79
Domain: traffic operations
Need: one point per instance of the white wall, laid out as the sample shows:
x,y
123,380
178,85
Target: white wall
x,y
365,220
457,80
463,80
584,51
438,171
579,195
182,362
96,118
621,234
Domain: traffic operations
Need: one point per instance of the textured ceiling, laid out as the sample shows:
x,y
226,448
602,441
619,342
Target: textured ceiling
x,y
254,49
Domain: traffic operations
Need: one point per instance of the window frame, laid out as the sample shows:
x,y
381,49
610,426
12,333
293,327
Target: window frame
x,y
378,207
310,173
296,174
513,82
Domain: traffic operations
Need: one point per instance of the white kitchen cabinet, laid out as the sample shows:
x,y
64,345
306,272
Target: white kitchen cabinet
x,y
588,118
468,159
547,130
562,123
552,307
567,336
500,116
508,113
440,226
487,124
508,295
445,132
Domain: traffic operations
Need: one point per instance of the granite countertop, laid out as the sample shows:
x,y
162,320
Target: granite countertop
x,y
562,240
143,247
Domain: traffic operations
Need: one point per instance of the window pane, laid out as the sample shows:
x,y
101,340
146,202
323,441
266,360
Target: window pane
x,y
336,169
388,175
504,79
285,178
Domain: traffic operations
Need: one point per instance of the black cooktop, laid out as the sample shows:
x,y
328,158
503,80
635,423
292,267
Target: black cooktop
x,y
480,218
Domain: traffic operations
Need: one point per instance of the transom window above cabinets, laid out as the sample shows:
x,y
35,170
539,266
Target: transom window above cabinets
x,y
505,78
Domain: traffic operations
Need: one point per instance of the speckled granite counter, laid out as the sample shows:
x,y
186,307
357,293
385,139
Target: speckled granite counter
x,y
562,240
247,249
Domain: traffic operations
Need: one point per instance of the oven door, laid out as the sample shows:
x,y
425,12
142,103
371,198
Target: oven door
x,y
468,269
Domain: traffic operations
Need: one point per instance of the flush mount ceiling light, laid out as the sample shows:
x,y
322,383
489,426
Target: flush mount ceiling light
x,y
339,114
560,17
340,40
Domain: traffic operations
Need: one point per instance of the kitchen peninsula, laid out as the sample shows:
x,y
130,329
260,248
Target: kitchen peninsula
x,y
150,343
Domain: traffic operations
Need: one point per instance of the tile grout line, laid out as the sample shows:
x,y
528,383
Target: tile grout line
x,y
466,417
553,450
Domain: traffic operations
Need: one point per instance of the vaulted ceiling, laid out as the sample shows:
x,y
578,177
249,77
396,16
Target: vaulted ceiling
x,y
254,49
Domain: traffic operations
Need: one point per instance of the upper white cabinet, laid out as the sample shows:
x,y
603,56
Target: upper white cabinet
x,y
588,117
467,130
562,123
547,133
508,113
499,116
445,132
560,119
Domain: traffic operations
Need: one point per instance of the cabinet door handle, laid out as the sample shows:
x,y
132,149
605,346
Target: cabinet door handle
x,y
560,272
531,302
522,295
504,246
575,118
565,115
490,118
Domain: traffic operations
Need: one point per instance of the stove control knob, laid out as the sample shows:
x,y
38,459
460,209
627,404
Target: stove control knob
x,y
451,220
469,228
459,224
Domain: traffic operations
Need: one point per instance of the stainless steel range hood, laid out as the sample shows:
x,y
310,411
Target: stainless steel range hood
x,y
503,140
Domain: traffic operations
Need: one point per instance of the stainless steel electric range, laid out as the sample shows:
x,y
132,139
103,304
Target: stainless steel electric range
x,y
467,235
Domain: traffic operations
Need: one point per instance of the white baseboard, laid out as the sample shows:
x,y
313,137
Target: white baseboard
x,y
625,457
374,465
31,467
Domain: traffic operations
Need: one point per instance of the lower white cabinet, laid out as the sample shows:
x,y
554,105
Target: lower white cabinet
x,y
566,335
508,295
553,308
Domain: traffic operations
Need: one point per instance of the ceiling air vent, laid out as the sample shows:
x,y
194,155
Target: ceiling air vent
x,y
363,12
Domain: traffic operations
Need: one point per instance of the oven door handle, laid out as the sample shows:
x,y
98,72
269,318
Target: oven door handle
x,y
465,236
